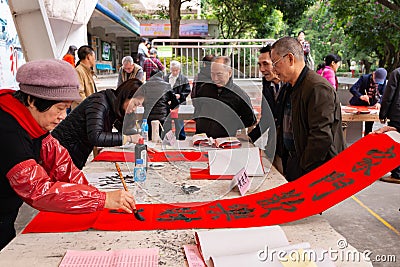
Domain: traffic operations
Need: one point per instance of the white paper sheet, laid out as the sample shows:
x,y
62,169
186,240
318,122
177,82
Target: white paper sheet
x,y
311,257
230,161
262,141
235,241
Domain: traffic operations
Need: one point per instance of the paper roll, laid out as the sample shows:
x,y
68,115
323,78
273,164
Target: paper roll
x,y
155,131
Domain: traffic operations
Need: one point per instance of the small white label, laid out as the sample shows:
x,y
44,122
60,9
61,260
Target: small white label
x,y
243,182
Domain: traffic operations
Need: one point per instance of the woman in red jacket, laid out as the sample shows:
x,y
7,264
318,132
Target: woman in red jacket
x,y
34,167
70,55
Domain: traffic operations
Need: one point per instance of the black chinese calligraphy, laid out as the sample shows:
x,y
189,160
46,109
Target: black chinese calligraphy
x,y
332,182
113,181
242,181
123,212
236,211
374,159
178,214
287,201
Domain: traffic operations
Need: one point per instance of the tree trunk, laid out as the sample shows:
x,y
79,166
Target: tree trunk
x,y
175,17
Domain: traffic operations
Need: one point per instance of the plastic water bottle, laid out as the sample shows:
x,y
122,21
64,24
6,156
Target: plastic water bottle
x,y
145,130
139,176
141,152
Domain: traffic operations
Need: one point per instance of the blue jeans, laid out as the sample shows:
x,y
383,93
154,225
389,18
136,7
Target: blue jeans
x,y
180,129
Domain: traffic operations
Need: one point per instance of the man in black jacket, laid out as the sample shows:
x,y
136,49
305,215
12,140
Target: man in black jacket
x,y
181,87
222,107
390,109
273,92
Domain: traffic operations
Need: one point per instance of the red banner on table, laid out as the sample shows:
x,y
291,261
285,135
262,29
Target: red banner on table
x,y
204,174
165,156
351,171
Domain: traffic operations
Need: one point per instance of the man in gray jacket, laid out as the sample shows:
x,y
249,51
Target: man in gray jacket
x,y
312,121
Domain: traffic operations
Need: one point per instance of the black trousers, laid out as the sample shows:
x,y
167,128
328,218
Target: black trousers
x,y
293,169
396,171
7,229
368,127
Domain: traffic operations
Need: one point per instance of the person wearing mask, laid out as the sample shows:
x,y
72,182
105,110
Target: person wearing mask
x,y
70,55
35,168
181,87
312,122
129,70
329,68
273,93
368,91
84,68
221,106
91,123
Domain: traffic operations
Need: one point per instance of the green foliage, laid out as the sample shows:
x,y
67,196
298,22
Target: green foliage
x,y
274,27
292,10
372,27
192,63
355,31
254,18
322,32
162,12
238,18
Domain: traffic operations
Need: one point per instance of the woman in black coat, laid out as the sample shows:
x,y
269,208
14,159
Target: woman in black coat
x,y
90,124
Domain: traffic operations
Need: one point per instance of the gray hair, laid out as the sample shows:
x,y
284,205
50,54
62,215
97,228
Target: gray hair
x,y
127,59
289,45
225,60
175,64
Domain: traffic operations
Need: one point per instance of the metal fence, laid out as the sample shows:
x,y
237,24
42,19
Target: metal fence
x,y
189,52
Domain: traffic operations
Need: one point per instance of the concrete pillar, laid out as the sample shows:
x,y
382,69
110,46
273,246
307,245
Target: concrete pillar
x,y
68,20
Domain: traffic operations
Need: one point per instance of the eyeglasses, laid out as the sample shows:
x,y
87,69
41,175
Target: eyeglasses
x,y
276,62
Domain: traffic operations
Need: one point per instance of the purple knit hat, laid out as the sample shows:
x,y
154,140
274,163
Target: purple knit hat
x,y
49,79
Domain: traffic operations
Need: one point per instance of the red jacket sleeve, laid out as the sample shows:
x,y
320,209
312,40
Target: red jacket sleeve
x,y
55,184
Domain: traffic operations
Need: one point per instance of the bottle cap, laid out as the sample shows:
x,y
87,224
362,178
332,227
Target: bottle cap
x,y
139,161
141,141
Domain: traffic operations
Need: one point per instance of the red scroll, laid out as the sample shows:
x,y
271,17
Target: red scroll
x,y
351,171
113,156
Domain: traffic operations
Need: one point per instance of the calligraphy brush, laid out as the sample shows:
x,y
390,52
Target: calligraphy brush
x,y
367,95
137,215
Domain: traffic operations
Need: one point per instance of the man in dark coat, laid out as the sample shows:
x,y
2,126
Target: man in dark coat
x,y
390,109
271,103
181,87
222,107
312,121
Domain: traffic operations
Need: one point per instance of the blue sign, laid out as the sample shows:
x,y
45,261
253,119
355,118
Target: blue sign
x,y
116,12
